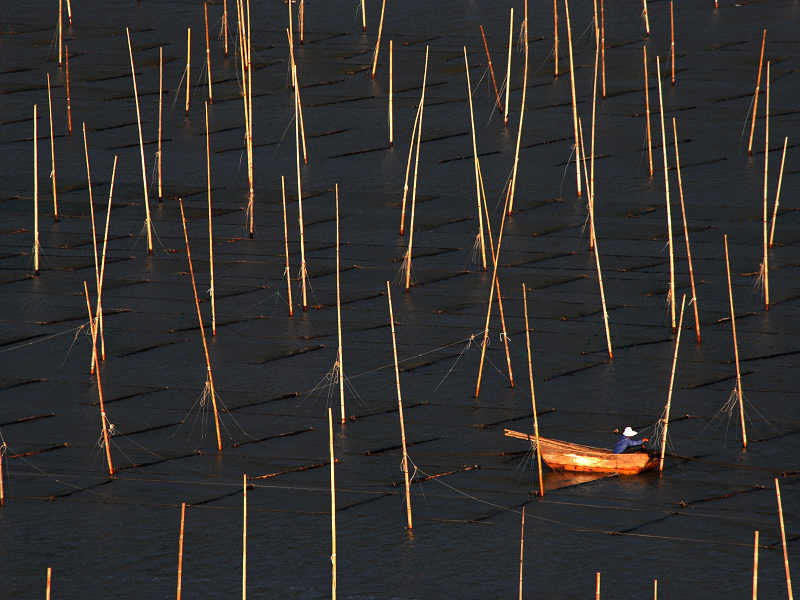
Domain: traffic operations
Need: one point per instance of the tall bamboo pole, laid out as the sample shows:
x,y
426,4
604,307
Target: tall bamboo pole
x,y
52,151
208,54
686,232
296,85
513,186
300,204
301,10
60,33
755,565
202,331
141,141
755,96
391,90
378,43
647,112
35,192
244,536
508,65
669,394
735,346
286,247
408,170
555,38
574,100
160,102
333,509
69,102
533,396
210,229
783,543
521,551
491,69
672,38
340,357
400,409
188,65
765,263
778,193
416,172
92,364
225,24
99,313
180,551
666,190
475,162
603,45
103,419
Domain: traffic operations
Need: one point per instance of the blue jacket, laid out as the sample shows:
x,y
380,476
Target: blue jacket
x,y
624,443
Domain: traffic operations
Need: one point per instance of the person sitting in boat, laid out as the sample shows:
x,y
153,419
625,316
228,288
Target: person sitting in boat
x,y
626,441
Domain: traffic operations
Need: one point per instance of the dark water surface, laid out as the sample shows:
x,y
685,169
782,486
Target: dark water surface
x,y
691,528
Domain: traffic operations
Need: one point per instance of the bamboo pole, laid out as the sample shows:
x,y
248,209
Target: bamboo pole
x,y
491,296
574,100
521,550
513,186
416,172
765,263
655,589
141,141
340,357
647,112
291,26
391,90
99,311
296,86
52,151
491,68
666,189
475,162
160,102
302,12
208,54
225,24
363,17
735,346
49,578
286,247
400,410
778,193
755,565
103,419
533,397
210,229
603,44
92,363
202,330
555,37
508,66
755,96
783,541
378,43
646,18
69,103
180,551
669,394
60,33
244,536
408,170
35,192
672,38
590,183
250,108
69,12
300,204
188,65
686,232
597,586
333,509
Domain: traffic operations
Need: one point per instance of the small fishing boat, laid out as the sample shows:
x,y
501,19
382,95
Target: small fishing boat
x,y
566,456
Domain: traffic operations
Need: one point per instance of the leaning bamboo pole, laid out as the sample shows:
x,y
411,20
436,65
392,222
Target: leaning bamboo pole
x,y
735,347
363,17
521,550
672,39
513,185
574,100
208,54
765,263
160,102
69,12
590,183
378,43
210,229
296,86
333,509
755,565
180,551
92,363
666,190
533,402
244,536
491,69
755,95
286,248
603,45
340,355
35,192
669,393
783,543
416,173
202,331
69,102
99,313
555,38
475,162
686,232
408,170
303,274
52,151
400,409
508,65
188,65
103,419
141,141
647,112
646,18
778,193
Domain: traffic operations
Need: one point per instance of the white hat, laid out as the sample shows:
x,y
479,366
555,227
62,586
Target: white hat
x,y
629,432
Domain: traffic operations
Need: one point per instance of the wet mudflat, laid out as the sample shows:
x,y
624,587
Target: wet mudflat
x,y
692,528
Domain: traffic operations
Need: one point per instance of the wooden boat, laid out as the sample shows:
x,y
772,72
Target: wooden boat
x,y
566,456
